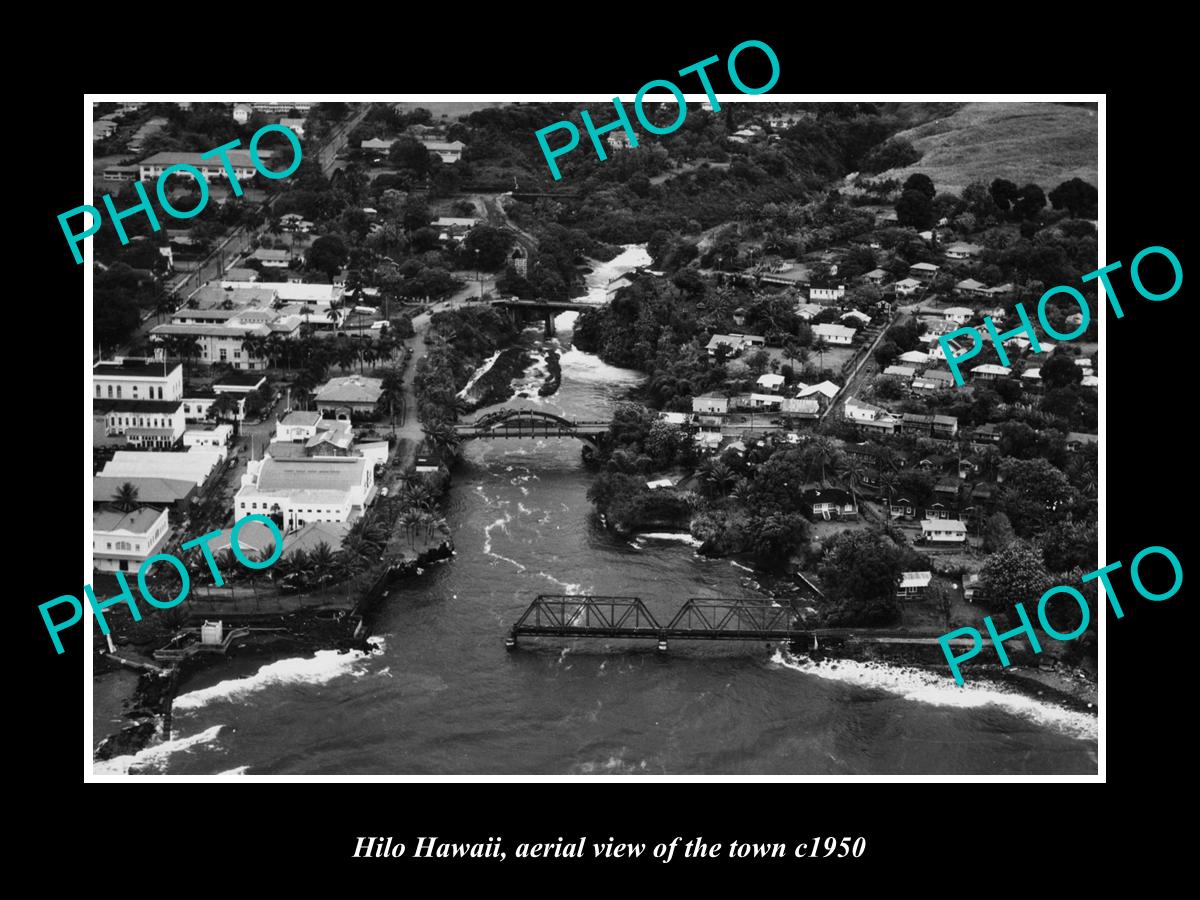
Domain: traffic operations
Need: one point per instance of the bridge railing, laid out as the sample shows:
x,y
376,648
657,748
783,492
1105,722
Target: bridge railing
x,y
706,616
558,613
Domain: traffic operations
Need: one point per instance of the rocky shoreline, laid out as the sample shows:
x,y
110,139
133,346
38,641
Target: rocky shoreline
x,y
273,636
1030,675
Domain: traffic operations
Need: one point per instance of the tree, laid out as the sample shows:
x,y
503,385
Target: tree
x,y
922,183
1016,574
1035,494
1003,192
997,532
1029,202
1077,197
491,244
126,497
1060,371
914,209
224,408
327,254
859,572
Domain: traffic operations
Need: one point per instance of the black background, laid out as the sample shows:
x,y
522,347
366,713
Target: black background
x,y
932,834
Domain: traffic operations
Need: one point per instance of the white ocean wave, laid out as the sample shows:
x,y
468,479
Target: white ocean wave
x,y
240,770
681,537
321,668
927,687
150,760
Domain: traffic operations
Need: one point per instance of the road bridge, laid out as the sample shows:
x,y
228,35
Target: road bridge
x,y
529,423
524,311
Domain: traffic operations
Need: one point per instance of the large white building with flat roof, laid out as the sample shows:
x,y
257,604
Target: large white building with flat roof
x,y
137,379
306,489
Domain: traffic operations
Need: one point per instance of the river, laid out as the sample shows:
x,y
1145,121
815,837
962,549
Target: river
x,y
440,695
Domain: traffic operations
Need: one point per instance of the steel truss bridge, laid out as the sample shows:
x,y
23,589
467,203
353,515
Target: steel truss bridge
x,y
707,619
529,423
700,618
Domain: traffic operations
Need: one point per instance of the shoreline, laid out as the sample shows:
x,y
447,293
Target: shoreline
x,y
301,632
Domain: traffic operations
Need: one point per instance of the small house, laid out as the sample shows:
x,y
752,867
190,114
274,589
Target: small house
x,y
913,585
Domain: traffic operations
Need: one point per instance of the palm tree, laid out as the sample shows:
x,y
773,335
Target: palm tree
x,y
322,563
409,520
126,497
743,491
852,470
820,346
719,477
443,437
417,494
887,484
823,453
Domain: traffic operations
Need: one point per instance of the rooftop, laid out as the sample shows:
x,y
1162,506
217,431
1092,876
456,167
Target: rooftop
x,y
350,389
328,474
139,521
299,417
133,368
150,490
135,406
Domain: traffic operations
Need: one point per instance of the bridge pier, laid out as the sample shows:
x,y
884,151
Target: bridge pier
x,y
662,645
510,643
549,325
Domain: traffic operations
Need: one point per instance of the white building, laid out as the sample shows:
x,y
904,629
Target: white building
x,y
298,425
834,334
959,315
223,343
943,531
193,466
448,151
213,167
963,250
303,490
770,382
711,404
859,411
122,541
217,437
826,294
907,286
137,379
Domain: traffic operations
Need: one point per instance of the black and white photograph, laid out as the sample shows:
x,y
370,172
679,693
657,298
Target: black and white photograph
x,y
552,437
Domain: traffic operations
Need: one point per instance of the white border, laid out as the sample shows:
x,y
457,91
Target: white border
x,y
90,777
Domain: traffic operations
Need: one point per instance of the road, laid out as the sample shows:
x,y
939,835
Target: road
x,y
411,427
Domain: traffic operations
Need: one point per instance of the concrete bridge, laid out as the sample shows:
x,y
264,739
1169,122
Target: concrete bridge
x,y
529,423
523,311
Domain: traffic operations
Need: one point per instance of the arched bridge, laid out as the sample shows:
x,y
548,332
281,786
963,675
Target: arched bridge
x,y
529,423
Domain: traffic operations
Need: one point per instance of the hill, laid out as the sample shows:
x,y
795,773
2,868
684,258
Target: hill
x,y
1046,143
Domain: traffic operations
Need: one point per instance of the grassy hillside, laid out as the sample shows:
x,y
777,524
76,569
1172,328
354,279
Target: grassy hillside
x,y
1046,143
